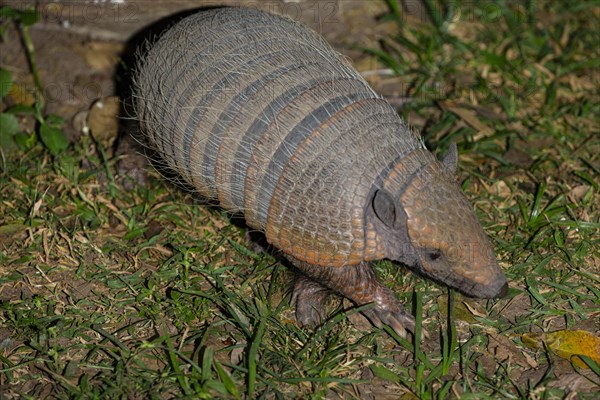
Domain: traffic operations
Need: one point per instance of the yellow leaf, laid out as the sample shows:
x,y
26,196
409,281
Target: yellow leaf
x,y
566,344
22,94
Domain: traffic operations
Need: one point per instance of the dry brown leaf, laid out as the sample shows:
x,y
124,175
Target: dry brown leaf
x,y
530,360
578,192
469,117
501,189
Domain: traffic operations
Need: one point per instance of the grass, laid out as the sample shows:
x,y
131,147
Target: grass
x,y
109,293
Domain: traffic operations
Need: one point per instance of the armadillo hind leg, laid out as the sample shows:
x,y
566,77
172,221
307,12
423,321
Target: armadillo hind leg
x,y
357,283
310,298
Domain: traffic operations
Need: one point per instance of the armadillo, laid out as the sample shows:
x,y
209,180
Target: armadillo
x,y
259,113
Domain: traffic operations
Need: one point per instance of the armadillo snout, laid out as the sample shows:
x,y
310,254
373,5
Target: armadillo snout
x,y
451,245
503,291
478,279
496,288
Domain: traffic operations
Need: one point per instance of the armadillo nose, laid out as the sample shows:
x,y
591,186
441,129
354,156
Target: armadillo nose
x,y
503,291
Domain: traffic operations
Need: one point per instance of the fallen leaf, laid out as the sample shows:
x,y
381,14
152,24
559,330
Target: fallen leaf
x,y
501,189
530,360
578,193
573,383
470,117
518,157
567,344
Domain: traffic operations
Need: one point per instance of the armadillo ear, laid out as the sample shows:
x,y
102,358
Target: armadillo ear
x,y
450,160
384,207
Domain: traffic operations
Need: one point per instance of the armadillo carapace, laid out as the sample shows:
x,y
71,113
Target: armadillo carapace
x,y
258,112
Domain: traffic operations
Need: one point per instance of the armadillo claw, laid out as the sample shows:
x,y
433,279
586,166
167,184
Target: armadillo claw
x,y
400,321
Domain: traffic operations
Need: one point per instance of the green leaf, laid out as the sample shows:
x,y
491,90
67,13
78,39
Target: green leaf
x,y
53,138
54,120
384,373
28,17
206,363
228,382
8,12
5,82
495,60
591,363
25,141
9,126
21,109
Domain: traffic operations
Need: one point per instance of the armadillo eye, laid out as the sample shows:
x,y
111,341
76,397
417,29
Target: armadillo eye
x,y
434,255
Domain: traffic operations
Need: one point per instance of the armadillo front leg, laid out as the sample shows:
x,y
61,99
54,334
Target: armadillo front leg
x,y
359,284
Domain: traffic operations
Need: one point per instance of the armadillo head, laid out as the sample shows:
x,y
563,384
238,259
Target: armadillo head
x,y
439,232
